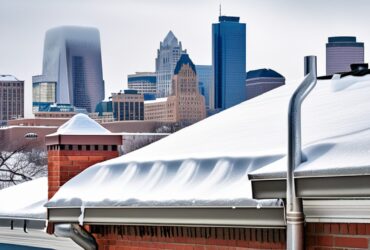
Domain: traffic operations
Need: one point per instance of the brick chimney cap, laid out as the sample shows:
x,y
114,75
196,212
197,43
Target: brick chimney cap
x,y
81,124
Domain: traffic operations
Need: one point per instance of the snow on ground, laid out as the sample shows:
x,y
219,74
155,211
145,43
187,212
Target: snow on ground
x,y
210,160
81,124
25,200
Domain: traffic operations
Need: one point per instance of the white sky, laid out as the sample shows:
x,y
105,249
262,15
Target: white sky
x,y
279,32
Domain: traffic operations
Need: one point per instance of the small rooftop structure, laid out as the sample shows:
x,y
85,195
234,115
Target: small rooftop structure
x,y
79,130
228,19
263,73
8,78
81,124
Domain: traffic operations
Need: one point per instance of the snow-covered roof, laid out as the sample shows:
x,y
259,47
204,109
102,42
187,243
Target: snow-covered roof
x,y
211,159
25,200
81,124
8,78
345,148
162,99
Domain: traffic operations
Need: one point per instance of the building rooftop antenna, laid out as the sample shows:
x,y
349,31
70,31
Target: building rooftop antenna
x,y
220,9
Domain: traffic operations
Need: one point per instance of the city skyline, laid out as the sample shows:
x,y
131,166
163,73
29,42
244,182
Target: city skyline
x,y
278,39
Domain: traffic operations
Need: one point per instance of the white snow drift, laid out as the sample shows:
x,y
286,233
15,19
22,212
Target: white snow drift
x,y
208,163
25,200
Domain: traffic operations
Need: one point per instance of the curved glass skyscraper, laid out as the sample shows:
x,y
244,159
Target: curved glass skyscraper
x,y
72,59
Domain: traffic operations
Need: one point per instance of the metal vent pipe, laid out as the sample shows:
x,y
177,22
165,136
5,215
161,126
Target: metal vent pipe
x,y
294,209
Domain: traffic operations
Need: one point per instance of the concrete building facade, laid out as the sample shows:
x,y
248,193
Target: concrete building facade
x,y
229,62
128,105
261,81
143,82
341,52
168,54
186,105
72,59
11,98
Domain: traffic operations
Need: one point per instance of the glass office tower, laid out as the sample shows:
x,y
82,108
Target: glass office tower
x,y
229,63
205,80
72,59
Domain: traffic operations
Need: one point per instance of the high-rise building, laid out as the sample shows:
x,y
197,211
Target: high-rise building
x,y
186,105
261,81
72,60
229,62
11,98
43,93
128,105
205,79
341,52
144,82
168,54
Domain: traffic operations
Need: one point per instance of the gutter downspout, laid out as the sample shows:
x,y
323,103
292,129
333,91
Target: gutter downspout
x,y
294,208
78,234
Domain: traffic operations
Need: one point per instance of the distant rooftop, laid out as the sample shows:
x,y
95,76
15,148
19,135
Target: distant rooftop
x,y
343,41
228,19
163,99
263,73
9,78
184,59
148,77
170,39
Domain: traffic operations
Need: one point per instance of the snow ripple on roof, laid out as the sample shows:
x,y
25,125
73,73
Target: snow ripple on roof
x,y
201,160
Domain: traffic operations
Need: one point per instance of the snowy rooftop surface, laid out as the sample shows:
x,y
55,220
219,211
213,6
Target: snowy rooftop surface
x,y
345,149
162,99
8,78
210,160
81,124
25,200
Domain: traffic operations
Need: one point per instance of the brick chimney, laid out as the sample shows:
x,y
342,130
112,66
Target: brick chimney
x,y
78,144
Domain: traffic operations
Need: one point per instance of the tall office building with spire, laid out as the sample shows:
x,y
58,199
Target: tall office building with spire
x,y
229,63
168,54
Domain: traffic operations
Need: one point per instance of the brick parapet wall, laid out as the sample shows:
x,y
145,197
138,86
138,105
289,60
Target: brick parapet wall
x,y
337,236
172,237
66,164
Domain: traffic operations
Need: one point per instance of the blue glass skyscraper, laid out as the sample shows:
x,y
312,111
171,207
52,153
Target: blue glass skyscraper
x,y
229,62
205,77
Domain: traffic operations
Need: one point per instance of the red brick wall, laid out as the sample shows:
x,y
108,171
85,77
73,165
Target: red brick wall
x,y
337,236
65,164
165,237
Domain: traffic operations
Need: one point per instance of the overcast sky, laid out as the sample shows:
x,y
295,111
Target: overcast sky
x,y
279,32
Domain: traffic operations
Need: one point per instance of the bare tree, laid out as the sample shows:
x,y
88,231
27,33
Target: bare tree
x,y
19,165
133,142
